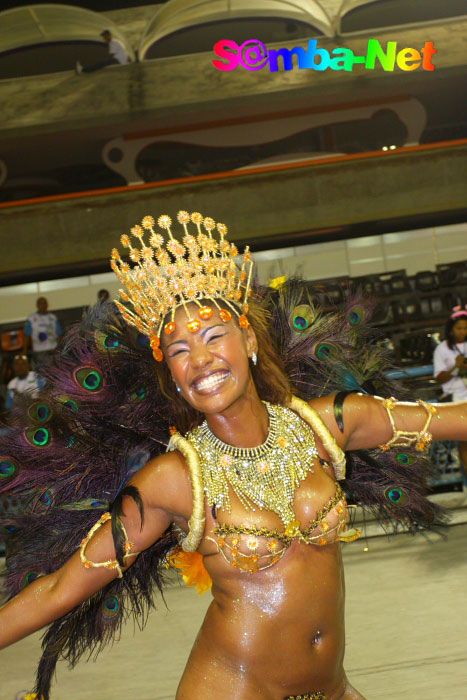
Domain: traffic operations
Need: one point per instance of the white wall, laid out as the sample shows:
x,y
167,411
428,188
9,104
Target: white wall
x,y
410,250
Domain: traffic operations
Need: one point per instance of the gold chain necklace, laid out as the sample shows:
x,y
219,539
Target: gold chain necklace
x,y
265,476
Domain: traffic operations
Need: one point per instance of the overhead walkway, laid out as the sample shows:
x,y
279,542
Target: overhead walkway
x,y
50,38
279,206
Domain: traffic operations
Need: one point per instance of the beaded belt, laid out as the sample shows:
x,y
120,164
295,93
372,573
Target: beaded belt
x,y
307,696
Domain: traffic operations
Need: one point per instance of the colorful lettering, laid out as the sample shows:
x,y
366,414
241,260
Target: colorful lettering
x,y
253,55
375,51
232,59
287,58
408,55
428,51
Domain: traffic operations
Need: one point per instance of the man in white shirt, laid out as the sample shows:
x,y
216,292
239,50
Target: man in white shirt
x,y
42,331
117,54
24,381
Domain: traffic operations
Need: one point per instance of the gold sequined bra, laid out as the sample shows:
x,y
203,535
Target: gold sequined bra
x,y
252,549
265,478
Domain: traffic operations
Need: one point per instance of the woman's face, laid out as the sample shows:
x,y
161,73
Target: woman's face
x,y
210,366
459,330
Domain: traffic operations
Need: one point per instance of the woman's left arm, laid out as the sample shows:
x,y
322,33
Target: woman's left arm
x,y
367,421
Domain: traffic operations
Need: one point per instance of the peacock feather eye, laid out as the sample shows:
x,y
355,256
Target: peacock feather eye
x,y
106,342
89,378
98,504
301,318
139,394
111,607
28,578
405,459
396,495
40,412
9,469
43,501
356,314
326,351
9,528
71,404
38,437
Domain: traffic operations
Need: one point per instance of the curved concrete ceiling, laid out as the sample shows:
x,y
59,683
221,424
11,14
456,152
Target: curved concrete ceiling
x,y
203,22
48,38
364,15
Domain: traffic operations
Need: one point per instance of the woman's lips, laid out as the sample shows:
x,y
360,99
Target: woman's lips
x,y
213,381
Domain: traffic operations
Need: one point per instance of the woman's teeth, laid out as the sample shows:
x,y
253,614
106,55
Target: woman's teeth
x,y
211,382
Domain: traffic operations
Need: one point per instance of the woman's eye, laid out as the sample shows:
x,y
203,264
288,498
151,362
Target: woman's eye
x,y
177,352
213,337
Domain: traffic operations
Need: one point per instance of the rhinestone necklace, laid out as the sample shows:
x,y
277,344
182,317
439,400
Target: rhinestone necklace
x,y
265,476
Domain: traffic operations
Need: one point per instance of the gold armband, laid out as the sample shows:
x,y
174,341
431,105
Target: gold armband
x,y
111,563
421,440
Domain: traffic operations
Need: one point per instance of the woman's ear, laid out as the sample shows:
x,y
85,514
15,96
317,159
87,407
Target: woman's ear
x,y
251,341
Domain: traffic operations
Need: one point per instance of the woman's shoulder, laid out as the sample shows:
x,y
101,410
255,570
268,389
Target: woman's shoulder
x,y
442,348
164,480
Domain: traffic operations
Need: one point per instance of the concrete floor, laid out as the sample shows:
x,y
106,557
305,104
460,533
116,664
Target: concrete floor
x,y
406,637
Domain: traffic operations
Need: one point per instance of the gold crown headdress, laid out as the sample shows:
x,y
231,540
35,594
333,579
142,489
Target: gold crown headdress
x,y
172,275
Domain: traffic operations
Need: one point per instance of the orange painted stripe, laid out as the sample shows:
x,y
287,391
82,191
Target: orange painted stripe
x,y
232,174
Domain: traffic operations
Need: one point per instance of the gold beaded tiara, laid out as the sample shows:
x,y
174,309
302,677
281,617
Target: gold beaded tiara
x,y
170,275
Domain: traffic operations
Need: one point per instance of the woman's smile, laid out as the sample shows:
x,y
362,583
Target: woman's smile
x,y
210,382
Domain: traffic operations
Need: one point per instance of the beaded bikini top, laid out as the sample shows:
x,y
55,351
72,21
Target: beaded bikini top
x,y
265,478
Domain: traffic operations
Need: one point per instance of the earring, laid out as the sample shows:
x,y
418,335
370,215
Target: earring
x,y
254,358
178,388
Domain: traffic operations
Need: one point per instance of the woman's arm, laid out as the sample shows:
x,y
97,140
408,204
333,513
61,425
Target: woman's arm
x,y
367,423
52,596
445,375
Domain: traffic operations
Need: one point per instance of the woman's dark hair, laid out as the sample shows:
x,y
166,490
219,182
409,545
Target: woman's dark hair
x,y
269,374
448,334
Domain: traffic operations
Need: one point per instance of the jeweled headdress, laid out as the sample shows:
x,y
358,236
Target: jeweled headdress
x,y
172,274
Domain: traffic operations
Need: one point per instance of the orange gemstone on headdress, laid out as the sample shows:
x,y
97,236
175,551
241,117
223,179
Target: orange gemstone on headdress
x,y
157,353
193,325
155,341
225,315
243,321
169,327
205,312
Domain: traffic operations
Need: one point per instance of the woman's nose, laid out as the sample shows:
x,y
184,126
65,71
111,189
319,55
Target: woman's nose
x,y
200,355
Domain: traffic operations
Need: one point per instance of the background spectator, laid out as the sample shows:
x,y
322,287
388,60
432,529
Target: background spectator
x,y
25,380
102,295
117,54
42,332
450,364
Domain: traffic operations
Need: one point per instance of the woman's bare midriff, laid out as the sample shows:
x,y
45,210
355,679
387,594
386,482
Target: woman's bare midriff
x,y
278,632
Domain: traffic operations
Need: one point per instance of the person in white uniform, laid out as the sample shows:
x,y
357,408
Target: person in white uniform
x,y
117,54
25,380
450,363
42,331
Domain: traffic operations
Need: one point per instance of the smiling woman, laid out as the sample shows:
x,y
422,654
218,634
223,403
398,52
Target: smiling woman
x,y
247,498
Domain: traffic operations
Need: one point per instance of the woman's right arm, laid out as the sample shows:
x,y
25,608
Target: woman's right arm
x,y
50,597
